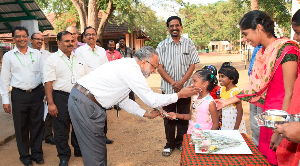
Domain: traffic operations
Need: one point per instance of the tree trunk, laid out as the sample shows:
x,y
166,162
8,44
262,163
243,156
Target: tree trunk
x,y
93,14
254,4
80,6
104,20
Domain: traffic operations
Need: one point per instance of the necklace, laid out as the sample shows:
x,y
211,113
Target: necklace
x,y
198,102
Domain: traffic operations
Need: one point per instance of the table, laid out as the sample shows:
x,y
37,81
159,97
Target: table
x,y
189,157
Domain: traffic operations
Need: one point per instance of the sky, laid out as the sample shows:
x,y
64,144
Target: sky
x,y
157,6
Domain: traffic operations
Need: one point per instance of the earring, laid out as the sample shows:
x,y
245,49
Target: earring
x,y
204,86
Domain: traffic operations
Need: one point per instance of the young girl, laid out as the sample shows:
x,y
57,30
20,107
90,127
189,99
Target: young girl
x,y
203,112
232,115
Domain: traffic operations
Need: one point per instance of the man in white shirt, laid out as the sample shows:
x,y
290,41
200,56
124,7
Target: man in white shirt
x,y
22,69
37,43
92,54
61,71
109,85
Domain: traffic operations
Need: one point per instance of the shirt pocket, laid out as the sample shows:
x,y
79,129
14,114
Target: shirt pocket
x,y
36,71
80,69
185,58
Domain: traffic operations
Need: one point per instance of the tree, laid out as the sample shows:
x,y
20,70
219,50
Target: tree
x,y
254,4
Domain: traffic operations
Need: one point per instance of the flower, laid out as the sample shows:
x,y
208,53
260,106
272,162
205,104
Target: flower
x,y
277,31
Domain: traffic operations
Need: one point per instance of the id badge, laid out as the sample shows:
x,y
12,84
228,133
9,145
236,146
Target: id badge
x,y
73,80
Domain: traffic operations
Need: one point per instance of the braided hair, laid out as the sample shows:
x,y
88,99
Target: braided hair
x,y
206,75
213,70
230,72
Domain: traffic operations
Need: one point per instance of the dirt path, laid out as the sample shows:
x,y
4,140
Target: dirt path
x,y
138,141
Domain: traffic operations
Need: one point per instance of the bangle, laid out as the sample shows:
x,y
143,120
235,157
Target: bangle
x,y
149,115
182,116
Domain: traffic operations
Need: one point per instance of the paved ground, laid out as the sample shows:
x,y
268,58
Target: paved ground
x,y
130,148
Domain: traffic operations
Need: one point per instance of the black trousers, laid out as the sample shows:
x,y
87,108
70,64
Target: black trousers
x,y
182,107
48,127
61,127
28,111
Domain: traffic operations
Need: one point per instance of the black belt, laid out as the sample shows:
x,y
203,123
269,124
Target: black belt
x,y
62,92
87,93
29,90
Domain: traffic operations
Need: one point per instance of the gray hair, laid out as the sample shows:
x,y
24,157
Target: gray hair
x,y
145,52
73,27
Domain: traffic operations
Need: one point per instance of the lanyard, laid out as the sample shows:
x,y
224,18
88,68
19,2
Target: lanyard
x,y
71,68
21,61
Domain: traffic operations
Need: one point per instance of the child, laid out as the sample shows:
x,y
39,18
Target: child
x,y
232,115
203,112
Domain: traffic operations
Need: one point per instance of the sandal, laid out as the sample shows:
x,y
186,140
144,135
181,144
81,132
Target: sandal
x,y
167,152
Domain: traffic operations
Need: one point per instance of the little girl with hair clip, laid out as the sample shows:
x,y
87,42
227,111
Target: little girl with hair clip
x,y
232,115
203,113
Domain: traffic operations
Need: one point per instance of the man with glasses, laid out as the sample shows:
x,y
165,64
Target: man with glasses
x,y
177,59
22,69
37,43
74,31
109,85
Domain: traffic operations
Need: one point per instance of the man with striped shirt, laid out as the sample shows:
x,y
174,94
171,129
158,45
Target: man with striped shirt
x,y
177,59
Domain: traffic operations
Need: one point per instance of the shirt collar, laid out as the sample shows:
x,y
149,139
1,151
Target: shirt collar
x,y
60,53
171,40
28,50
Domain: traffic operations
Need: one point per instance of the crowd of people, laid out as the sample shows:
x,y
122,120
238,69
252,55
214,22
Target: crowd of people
x,y
79,82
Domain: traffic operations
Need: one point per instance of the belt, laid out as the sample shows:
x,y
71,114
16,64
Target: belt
x,y
62,92
87,93
29,90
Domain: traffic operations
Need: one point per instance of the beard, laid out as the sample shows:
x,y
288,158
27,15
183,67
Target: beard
x,y
175,35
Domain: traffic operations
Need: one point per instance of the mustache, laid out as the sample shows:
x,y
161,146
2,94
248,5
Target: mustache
x,y
39,43
70,45
175,30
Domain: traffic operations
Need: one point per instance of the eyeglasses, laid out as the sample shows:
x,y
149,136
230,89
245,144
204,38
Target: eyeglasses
x,y
38,39
152,65
89,35
19,36
176,26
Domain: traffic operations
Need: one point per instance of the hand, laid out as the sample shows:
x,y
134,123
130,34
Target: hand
x,y
220,103
7,108
188,92
275,141
177,86
154,114
290,131
52,110
172,115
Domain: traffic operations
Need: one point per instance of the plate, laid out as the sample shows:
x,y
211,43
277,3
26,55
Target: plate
x,y
234,134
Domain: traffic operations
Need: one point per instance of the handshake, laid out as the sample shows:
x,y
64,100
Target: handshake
x,y
159,112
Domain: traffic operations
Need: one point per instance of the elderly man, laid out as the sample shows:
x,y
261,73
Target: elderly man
x,y
37,43
108,85
61,71
177,59
22,69
74,31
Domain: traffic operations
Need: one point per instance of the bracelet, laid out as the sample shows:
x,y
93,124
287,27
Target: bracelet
x,y
149,115
182,116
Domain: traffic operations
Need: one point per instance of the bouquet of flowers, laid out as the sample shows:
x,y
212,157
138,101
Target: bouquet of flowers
x,y
211,142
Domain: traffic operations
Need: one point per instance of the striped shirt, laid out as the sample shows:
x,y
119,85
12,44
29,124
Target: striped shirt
x,y
176,60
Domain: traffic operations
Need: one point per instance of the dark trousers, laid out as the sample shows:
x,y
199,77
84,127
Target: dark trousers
x,y
182,107
61,127
28,111
88,120
48,127
131,96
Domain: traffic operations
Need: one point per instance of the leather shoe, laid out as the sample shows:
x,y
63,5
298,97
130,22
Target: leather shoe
x,y
50,141
27,162
108,141
39,160
63,163
77,153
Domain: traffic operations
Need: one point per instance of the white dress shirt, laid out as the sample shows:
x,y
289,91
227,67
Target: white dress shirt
x,y
58,68
111,83
23,71
45,54
92,58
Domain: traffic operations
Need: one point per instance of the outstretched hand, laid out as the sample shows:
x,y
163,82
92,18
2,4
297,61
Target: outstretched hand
x,y
188,91
220,103
172,115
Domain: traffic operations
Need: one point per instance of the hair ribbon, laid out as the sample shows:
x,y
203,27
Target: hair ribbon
x,y
212,76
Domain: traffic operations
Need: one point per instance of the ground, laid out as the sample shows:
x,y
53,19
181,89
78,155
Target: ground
x,y
138,141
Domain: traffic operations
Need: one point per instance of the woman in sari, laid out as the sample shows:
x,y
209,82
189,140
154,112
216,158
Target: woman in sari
x,y
273,75
288,152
